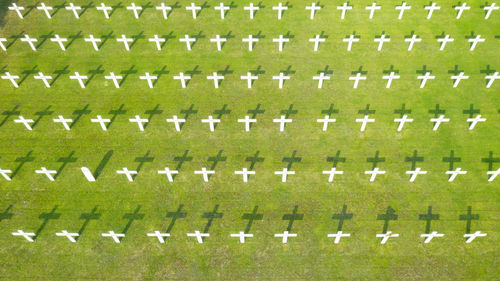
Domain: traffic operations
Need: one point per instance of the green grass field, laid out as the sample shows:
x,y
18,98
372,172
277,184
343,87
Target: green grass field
x,y
28,198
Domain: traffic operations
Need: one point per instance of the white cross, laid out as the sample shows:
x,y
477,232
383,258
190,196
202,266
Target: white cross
x,y
458,78
344,9
425,77
18,9
444,40
313,8
205,173
280,8
317,39
326,121
30,41
176,122
125,41
193,9
402,121
247,120
471,236
183,79
159,235
135,8
13,78
149,78
281,42
168,173
249,77
250,41
438,121
222,9
431,9
281,79
26,122
245,172
386,236
488,9
365,120
282,120
284,174
219,41
164,9
492,174
188,41
338,235
492,79
2,46
402,9
461,9
137,119
474,121
74,9
129,174
105,9
285,236
93,41
331,173
242,235
26,235
392,75
101,121
428,236
320,79
60,41
252,9
61,119
157,40
116,236
46,9
114,78
455,173
381,41
373,173
211,122
372,9
216,79
46,172
44,78
415,173
199,236
69,235
412,40
80,78
4,173
351,39
474,41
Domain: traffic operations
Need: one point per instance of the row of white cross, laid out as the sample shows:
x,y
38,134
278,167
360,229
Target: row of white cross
x,y
206,173
242,236
250,78
251,40
252,9
247,121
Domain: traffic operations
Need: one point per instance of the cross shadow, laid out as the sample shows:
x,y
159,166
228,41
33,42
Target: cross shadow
x,y
424,70
220,112
487,71
9,113
87,217
287,4
360,71
437,111
151,113
144,159
391,69
86,7
116,7
93,73
342,216
144,7
211,216
411,34
414,159
261,6
30,8
5,215
73,38
490,160
181,160
227,36
257,71
65,161
46,218
331,110
174,6
203,6
259,35
336,159
402,111
57,8
175,216
187,113
251,217
291,218
254,160
471,111
44,38
231,6
455,71
131,217
216,159
22,160
255,112
471,36
126,73
375,160
289,111
367,110
192,73
28,72
115,113
451,159
197,37
469,217
159,73
292,159
428,218
41,114
58,73
105,38
102,164
389,215
326,71
167,37
136,38
79,113
288,70
15,38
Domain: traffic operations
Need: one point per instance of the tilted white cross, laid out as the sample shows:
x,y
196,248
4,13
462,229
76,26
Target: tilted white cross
x,y
344,9
25,122
94,41
157,40
247,120
168,173
211,122
458,78
75,9
351,39
280,8
125,41
373,173
473,121
428,236
115,236
392,75
30,41
461,9
135,9
386,236
356,79
415,173
412,40
44,78
128,173
331,173
326,120
164,9
320,79
381,40
193,9
491,78
177,122
114,78
46,172
101,121
364,121
26,235
453,174
18,9
284,174
402,9
444,40
199,236
204,172
282,77
137,119
431,8
183,79
425,77
46,9
488,9
284,236
471,236
59,41
250,41
282,120
402,121
188,41
105,9
316,40
4,173
219,40
222,9
474,41
159,235
11,78
252,9
148,78
249,77
62,120
372,9
69,235
242,235
492,174
80,78
281,41
313,8
438,121
244,172
338,235
2,46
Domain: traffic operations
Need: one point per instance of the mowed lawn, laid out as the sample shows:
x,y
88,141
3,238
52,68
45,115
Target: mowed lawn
x,y
311,255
